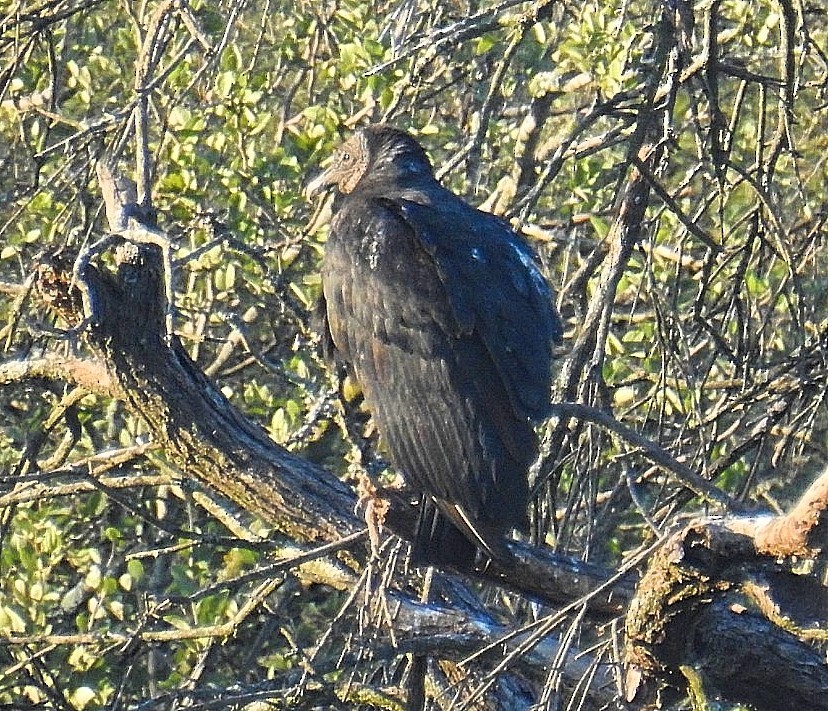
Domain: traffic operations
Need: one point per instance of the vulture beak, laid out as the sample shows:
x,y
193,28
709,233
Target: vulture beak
x,y
321,180
318,184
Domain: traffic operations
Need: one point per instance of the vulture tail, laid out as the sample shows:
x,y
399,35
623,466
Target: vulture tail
x,y
448,538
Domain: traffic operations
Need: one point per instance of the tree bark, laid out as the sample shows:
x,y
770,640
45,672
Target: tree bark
x,y
721,611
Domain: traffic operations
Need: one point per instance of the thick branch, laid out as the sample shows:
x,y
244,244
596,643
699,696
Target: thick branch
x,y
751,645
744,657
84,372
803,531
205,437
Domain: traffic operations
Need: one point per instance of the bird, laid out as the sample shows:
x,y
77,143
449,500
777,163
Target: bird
x,y
442,314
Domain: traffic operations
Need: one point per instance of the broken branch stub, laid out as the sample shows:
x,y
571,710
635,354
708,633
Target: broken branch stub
x,y
724,607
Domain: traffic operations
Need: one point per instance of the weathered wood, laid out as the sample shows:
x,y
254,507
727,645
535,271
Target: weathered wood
x,y
743,657
201,432
803,531
735,622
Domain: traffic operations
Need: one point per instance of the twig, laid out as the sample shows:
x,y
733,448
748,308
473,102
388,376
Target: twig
x,y
684,474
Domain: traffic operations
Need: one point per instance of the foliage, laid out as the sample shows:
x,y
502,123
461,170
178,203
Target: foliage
x,y
711,346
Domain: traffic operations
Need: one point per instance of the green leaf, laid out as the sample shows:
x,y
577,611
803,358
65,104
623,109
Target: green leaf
x,y
81,697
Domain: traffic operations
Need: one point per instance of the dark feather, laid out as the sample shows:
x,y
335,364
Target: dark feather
x,y
449,326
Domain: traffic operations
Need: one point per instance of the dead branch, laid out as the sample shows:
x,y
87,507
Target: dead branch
x,y
719,609
801,532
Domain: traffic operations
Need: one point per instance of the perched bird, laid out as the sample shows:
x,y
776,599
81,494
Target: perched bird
x,y
447,323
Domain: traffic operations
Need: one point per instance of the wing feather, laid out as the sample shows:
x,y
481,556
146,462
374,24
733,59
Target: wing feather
x,y
495,287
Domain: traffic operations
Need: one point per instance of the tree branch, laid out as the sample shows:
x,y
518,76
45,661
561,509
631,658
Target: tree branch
x,y
716,591
206,438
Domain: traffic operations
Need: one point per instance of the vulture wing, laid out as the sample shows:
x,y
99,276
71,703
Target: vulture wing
x,y
495,289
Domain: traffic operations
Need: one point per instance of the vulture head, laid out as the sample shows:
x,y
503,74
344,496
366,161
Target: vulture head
x,y
375,154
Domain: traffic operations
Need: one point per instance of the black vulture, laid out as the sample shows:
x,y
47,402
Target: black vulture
x,y
449,327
